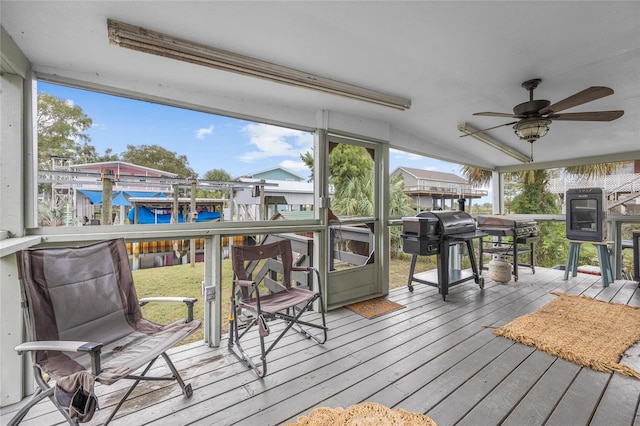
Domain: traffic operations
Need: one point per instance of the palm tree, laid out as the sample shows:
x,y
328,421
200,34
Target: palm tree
x,y
355,197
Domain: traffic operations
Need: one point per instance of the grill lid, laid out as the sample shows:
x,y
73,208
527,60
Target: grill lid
x,y
451,222
504,221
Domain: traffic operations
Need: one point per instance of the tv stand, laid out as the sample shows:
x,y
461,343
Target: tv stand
x,y
604,259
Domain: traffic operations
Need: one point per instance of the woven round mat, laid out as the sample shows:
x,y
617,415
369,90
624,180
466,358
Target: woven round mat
x,y
585,331
363,414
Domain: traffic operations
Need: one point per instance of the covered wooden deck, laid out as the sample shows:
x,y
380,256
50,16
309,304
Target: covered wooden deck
x,y
432,356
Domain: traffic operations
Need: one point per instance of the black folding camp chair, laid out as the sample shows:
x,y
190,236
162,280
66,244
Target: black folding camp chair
x,y
84,325
260,296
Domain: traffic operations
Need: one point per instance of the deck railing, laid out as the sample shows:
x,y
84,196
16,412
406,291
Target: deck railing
x,y
441,190
619,183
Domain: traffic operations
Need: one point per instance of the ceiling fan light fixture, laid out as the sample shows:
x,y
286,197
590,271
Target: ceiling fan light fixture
x,y
532,129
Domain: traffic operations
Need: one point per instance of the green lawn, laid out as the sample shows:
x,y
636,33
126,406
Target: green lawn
x,y
179,280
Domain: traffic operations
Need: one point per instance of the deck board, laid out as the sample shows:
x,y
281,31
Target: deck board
x,y
498,403
540,401
432,356
580,400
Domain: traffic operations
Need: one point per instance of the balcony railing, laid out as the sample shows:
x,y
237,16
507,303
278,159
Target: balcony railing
x,y
441,190
619,183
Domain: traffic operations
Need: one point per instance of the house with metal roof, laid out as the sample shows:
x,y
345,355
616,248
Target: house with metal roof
x,y
277,189
275,173
430,190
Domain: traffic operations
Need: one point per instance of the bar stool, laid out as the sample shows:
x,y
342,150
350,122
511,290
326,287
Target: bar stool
x,y
604,258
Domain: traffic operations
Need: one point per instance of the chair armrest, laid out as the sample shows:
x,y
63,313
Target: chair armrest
x,y
58,345
309,269
92,348
246,283
189,301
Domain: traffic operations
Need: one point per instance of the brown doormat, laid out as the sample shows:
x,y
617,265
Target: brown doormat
x,y
374,307
364,414
585,331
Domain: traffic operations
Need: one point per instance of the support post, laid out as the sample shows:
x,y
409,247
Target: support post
x,y
213,297
107,197
192,216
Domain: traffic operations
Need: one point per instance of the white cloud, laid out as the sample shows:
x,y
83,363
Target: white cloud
x,y
201,133
294,165
402,155
273,141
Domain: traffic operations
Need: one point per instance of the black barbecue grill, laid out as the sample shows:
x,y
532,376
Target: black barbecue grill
x,y
510,232
420,235
434,233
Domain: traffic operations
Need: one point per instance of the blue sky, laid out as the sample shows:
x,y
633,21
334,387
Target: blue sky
x,y
208,141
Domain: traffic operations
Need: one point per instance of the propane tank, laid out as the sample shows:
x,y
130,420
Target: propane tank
x,y
499,269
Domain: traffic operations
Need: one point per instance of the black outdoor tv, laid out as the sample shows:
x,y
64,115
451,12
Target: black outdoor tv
x,y
585,209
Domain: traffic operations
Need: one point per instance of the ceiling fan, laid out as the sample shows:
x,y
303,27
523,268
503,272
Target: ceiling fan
x,y
535,116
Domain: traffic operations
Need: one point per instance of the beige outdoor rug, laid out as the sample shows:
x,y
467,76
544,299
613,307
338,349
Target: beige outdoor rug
x,y
374,307
585,331
363,414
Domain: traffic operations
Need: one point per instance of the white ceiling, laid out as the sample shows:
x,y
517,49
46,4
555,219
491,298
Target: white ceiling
x,y
451,58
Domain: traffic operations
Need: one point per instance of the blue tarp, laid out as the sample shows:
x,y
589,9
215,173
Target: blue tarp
x,y
142,194
147,216
207,216
94,196
119,198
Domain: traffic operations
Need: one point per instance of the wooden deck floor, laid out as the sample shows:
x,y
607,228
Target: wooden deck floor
x,y
435,357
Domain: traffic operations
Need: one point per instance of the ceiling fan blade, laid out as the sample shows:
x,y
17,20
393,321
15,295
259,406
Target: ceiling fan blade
x,y
489,128
587,116
495,114
587,95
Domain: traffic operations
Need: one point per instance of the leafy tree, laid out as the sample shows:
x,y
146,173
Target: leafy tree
x,y
61,128
399,206
51,214
157,157
552,248
347,162
354,197
307,159
399,202
220,175
533,196
351,173
108,156
217,174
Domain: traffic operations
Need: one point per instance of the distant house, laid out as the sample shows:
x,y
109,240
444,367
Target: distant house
x,y
284,191
429,190
275,173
